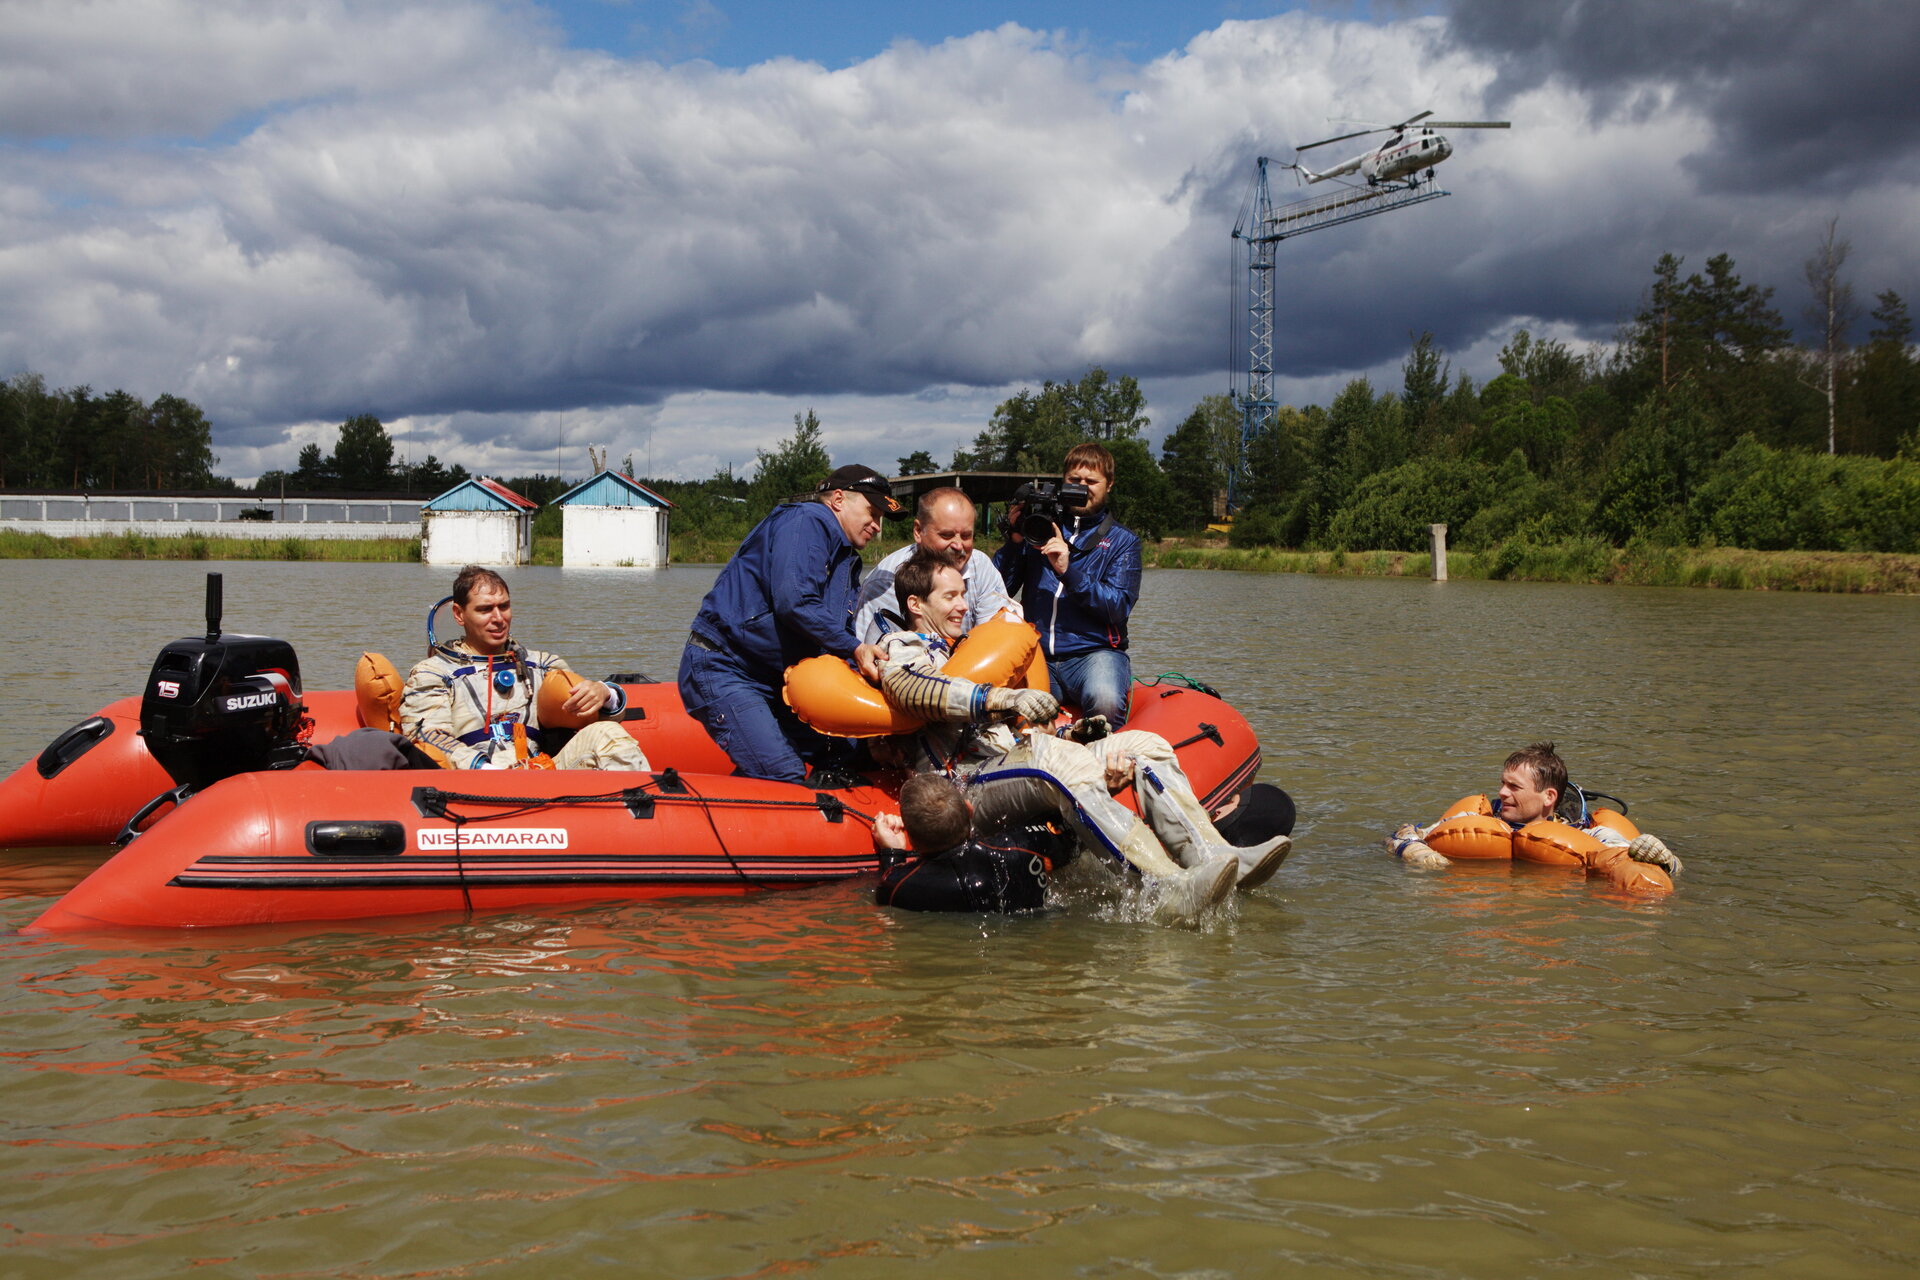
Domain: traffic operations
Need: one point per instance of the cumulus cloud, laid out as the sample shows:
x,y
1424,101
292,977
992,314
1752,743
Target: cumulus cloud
x,y
433,212
152,68
1800,93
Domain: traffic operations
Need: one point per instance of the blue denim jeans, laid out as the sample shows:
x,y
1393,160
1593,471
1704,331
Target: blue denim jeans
x,y
1099,682
749,720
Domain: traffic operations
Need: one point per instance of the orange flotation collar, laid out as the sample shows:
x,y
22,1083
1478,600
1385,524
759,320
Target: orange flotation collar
x,y
831,697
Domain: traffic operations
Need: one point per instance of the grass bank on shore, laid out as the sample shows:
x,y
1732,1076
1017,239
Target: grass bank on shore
x,y
132,546
1581,561
1585,561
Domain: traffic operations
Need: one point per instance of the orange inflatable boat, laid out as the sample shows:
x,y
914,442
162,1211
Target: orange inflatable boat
x,y
306,844
227,820
85,786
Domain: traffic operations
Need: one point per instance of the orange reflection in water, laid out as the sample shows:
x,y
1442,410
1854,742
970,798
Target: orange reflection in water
x,y
307,1011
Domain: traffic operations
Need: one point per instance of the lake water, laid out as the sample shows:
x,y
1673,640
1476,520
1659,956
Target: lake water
x,y
1359,1071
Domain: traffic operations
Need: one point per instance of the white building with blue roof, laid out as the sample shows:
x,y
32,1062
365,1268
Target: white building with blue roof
x,y
613,521
478,521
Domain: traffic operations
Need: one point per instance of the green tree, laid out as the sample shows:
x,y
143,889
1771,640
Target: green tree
x,y
1722,336
1142,499
1392,510
1510,420
431,477
796,467
313,471
1423,386
1277,465
1885,404
1658,461
179,446
1198,458
1363,434
917,463
118,430
1032,431
30,417
1548,367
363,455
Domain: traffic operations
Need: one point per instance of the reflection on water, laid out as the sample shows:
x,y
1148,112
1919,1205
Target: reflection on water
x,y
1360,1071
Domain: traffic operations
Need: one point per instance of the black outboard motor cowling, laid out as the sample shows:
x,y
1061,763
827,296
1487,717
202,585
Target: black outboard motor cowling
x,y
221,705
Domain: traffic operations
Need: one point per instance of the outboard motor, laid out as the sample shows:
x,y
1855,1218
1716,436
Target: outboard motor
x,y
219,705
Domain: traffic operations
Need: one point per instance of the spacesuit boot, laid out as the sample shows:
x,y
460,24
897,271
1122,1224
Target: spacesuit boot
x,y
1185,892
1183,825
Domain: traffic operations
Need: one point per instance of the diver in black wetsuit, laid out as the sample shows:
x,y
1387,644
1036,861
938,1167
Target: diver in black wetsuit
x,y
998,871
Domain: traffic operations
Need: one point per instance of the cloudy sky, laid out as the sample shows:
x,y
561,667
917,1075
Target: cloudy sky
x,y
515,229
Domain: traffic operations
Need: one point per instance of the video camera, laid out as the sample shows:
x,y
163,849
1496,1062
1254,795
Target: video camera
x,y
1044,504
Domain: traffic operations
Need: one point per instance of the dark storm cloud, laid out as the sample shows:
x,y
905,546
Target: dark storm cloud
x,y
1801,93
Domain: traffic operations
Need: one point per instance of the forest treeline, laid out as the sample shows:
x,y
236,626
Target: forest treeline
x,y
1704,423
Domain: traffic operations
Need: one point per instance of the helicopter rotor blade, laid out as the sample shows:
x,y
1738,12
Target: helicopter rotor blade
x,y
1414,119
1469,124
1342,138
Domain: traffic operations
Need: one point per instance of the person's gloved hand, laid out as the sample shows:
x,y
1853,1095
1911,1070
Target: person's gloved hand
x,y
1645,848
1030,705
1406,845
1089,729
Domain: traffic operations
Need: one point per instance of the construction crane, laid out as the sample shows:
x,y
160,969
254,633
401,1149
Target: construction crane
x,y
1391,184
1261,228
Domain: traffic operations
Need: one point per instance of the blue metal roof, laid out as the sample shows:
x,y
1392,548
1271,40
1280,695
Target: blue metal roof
x,y
611,489
480,494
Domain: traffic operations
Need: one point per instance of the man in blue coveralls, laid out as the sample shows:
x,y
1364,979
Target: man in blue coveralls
x,y
787,594
1077,590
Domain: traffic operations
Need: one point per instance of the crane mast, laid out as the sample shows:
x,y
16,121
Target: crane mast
x,y
1262,227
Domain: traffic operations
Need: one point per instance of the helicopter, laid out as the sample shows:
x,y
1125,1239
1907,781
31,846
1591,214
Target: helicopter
x,y
1401,156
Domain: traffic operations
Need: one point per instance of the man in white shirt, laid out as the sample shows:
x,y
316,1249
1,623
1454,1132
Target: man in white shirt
x,y
943,524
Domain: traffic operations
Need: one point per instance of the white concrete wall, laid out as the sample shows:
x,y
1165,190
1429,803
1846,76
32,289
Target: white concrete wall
x,y
331,530
613,537
476,537
201,513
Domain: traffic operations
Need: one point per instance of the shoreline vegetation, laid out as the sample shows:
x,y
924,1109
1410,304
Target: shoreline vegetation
x,y
1580,561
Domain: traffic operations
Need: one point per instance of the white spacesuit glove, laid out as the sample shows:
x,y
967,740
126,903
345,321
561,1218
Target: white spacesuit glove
x,y
1030,705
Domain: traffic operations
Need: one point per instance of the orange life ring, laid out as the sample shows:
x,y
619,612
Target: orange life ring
x,y
377,690
831,697
1555,844
1472,836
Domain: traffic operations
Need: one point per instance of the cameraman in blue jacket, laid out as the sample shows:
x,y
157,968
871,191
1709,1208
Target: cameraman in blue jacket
x,y
1078,587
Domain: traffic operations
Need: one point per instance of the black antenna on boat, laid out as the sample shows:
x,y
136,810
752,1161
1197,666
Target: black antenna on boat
x,y
213,607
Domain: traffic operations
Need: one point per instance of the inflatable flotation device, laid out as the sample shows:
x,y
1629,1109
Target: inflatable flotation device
x,y
556,686
831,697
378,688
998,873
1470,830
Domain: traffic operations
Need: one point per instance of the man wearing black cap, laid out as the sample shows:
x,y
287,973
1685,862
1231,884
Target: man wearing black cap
x,y
787,594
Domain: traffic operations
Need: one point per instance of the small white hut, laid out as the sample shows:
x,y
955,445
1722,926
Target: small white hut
x,y
478,521
613,521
